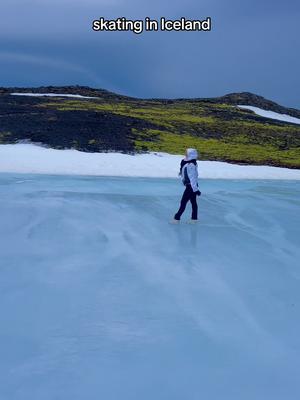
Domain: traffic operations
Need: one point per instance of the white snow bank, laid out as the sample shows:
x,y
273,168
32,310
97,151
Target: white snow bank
x,y
272,114
52,95
29,158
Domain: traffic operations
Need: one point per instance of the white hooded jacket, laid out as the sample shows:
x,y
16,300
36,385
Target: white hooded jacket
x,y
189,171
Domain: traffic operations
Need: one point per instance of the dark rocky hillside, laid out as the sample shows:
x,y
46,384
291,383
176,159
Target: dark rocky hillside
x,y
113,122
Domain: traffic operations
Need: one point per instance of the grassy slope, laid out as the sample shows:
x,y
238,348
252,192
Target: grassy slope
x,y
216,127
219,131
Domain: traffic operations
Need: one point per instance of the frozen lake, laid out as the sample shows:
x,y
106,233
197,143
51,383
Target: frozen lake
x,y
100,298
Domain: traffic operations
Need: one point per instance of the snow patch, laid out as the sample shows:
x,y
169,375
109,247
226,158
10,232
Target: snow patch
x,y
271,114
53,95
30,158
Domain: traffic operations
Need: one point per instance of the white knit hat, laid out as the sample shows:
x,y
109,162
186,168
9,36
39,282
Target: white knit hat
x,y
192,154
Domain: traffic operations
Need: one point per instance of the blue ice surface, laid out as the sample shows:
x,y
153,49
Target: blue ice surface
x,y
101,298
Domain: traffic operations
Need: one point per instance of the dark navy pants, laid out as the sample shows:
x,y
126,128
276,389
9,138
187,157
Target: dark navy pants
x,y
188,195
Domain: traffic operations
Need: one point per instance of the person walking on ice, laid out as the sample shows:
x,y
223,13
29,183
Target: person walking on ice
x,y
189,177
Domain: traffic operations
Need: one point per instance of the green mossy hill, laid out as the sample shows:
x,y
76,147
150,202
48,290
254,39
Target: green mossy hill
x,y
216,127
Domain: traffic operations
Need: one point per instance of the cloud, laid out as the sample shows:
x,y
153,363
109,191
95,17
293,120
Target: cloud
x,y
47,63
252,47
44,61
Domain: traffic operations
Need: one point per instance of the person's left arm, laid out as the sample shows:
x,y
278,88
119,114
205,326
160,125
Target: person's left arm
x,y
192,171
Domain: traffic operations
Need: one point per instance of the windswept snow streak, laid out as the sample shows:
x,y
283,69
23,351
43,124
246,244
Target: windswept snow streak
x,y
272,114
52,95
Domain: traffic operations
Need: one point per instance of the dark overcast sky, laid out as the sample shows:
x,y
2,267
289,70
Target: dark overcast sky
x,y
253,46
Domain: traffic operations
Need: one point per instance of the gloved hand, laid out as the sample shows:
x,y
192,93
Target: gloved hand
x,y
198,193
